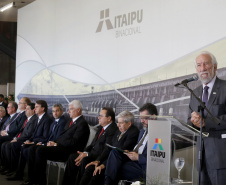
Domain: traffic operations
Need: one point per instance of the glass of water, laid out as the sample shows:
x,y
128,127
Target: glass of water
x,y
179,164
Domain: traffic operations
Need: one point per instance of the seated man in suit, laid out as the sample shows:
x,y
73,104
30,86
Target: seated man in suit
x,y
13,127
125,138
14,124
96,150
132,165
11,149
73,138
40,134
3,116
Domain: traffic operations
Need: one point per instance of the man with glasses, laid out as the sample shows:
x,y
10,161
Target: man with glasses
x,y
125,138
15,125
131,165
11,149
96,150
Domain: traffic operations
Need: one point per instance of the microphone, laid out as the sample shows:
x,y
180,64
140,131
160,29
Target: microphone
x,y
193,78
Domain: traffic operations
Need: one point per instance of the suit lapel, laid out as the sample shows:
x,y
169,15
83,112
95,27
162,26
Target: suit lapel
x,y
213,94
140,135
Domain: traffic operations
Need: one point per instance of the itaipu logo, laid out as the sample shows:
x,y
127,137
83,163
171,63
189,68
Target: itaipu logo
x,y
155,150
119,20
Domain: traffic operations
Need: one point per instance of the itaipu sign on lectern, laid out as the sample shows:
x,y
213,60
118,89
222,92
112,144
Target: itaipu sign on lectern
x,y
171,144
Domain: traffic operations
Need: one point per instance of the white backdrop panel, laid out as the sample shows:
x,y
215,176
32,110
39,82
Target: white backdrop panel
x,y
64,31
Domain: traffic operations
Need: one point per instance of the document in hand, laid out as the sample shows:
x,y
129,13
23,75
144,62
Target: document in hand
x,y
119,149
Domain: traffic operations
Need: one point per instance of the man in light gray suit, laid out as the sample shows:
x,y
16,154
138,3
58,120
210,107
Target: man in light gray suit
x,y
213,93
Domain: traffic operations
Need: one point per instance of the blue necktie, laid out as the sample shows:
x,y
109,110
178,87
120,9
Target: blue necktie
x,y
52,132
6,122
205,97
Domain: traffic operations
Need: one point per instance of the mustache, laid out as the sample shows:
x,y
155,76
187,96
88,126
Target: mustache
x,y
204,72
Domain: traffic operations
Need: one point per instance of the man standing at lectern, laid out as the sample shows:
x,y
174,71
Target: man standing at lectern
x,y
213,93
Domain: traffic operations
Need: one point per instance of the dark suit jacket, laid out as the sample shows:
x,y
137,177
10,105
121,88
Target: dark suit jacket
x,y
3,121
214,145
75,137
41,132
28,130
142,160
127,141
58,129
15,127
97,150
12,123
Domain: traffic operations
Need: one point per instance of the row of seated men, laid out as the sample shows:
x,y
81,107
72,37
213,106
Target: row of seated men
x,y
31,137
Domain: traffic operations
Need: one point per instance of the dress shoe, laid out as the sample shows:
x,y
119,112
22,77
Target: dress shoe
x,y
27,183
10,174
2,169
15,178
5,172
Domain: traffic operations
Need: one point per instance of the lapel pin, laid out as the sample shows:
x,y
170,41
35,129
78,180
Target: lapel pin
x,y
214,93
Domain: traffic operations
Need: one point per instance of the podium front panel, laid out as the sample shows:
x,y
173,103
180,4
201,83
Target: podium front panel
x,y
168,140
158,155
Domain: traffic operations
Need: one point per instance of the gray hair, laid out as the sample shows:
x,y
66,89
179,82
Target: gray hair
x,y
76,104
2,108
213,58
58,105
127,116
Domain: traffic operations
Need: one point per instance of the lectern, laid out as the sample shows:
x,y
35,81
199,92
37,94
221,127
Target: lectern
x,y
168,140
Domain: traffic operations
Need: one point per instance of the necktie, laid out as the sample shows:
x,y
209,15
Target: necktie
x,y
205,97
6,123
120,136
52,132
38,121
101,133
71,123
9,123
22,128
140,142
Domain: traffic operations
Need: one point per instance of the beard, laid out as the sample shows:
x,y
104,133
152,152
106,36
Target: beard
x,y
208,78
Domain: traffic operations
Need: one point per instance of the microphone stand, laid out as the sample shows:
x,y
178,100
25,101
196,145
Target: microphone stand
x,y
201,109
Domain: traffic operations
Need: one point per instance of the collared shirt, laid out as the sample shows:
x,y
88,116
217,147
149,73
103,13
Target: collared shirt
x,y
40,117
76,118
210,85
141,148
12,115
29,118
106,126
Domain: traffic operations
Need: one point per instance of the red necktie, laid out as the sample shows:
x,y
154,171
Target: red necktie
x,y
71,123
23,128
101,133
